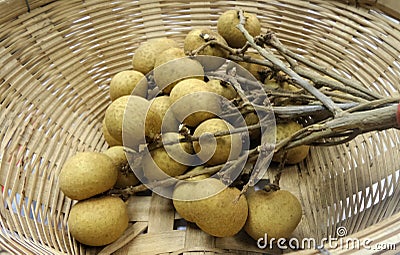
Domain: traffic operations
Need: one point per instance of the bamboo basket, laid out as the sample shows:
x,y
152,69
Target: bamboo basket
x,y
57,59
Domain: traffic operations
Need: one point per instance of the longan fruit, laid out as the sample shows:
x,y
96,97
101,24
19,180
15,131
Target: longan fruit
x,y
87,174
228,147
169,74
126,177
193,102
227,23
275,213
128,113
111,141
222,88
160,118
128,82
168,55
145,55
98,221
220,212
198,37
294,155
170,159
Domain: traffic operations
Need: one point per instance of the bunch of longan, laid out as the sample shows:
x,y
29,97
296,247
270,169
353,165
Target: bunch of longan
x,y
163,100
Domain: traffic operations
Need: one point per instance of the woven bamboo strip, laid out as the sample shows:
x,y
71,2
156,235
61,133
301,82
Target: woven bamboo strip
x,y
57,62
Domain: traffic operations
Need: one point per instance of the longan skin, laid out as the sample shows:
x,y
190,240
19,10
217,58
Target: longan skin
x,y
159,118
226,91
168,55
98,221
128,113
194,40
126,177
145,55
208,102
164,160
228,211
226,26
228,147
114,117
169,74
220,212
128,82
87,174
275,213
111,141
185,200
198,37
294,155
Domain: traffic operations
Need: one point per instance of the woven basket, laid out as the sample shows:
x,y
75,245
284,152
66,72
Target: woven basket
x,y
56,64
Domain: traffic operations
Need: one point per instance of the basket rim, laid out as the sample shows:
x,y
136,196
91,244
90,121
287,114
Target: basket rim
x,y
9,12
385,6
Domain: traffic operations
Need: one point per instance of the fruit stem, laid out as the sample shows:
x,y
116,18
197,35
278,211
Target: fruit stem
x,y
325,100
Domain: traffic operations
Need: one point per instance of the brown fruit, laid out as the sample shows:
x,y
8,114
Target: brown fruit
x,y
169,74
159,118
168,55
145,55
275,213
128,82
128,113
221,212
169,159
251,119
190,105
98,221
126,177
87,174
294,155
227,23
228,147
198,37
222,88
114,117
111,141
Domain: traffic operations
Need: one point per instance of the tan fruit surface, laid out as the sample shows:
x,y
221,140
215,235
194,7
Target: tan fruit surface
x,y
128,82
111,141
222,88
170,159
145,55
220,212
126,177
98,221
294,155
227,23
187,97
169,74
228,147
275,213
87,174
160,118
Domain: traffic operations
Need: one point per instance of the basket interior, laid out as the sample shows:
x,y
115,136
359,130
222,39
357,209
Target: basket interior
x,y
57,62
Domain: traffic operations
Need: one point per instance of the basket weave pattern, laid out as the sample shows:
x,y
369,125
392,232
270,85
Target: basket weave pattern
x,y
57,62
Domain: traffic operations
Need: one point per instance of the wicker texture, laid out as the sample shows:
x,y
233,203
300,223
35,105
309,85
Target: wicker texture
x,y
57,62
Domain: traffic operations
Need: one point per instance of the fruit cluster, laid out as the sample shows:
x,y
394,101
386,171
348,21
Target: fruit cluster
x,y
168,109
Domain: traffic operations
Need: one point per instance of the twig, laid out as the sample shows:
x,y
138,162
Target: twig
x,y
326,101
28,7
274,41
165,182
360,122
